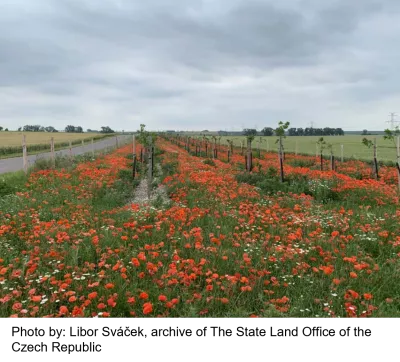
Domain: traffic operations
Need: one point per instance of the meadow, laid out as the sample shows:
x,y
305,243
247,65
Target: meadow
x,y
226,242
352,146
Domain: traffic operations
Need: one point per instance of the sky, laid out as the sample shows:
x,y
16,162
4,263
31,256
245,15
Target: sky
x,y
199,64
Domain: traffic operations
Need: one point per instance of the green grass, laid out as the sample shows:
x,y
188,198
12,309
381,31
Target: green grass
x,y
352,147
12,182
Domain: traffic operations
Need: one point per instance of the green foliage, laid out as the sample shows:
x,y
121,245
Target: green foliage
x,y
301,163
282,127
143,136
322,144
209,162
6,188
269,183
367,143
280,133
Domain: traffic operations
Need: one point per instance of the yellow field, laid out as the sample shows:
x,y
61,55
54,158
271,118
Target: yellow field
x,y
8,139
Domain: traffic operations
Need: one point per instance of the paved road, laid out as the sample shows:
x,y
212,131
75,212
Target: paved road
x,y
15,163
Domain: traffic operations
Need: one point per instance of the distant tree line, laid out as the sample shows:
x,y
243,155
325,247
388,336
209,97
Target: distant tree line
x,y
309,131
50,129
73,129
37,128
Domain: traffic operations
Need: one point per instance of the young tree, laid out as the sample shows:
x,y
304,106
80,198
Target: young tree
x,y
230,143
368,143
249,156
394,136
214,151
280,133
321,144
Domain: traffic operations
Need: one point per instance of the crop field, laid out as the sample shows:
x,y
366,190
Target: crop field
x,y
352,146
214,241
33,138
11,142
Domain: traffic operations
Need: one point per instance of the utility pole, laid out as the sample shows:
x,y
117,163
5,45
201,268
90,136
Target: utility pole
x,y
393,123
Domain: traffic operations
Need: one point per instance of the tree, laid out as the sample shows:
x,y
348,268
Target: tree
x,y
250,132
321,143
364,132
6,130
368,143
107,129
391,135
70,129
267,131
50,129
1,128
280,133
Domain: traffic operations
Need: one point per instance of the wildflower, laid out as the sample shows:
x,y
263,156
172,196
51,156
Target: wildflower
x,y
147,308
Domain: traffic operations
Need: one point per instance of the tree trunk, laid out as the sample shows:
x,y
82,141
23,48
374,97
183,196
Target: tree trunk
x,y
281,159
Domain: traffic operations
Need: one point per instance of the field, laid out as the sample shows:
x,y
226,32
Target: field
x,y
11,142
76,242
33,138
352,147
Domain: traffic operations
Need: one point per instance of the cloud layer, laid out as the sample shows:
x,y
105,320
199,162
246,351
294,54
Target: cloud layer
x,y
185,64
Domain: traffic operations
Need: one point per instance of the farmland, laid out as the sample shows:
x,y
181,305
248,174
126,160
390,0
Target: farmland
x,y
11,142
352,146
33,138
225,243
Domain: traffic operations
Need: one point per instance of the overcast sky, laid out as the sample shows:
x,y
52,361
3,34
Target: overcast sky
x,y
192,64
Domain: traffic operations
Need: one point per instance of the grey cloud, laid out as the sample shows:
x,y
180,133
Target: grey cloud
x,y
221,63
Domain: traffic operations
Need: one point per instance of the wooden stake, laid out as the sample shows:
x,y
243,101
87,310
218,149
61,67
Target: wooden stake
x,y
92,147
249,156
341,153
53,158
24,155
134,157
398,173
70,149
281,159
375,160
149,166
297,146
83,146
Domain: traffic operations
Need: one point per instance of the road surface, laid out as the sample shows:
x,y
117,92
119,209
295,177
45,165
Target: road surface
x,y
15,163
